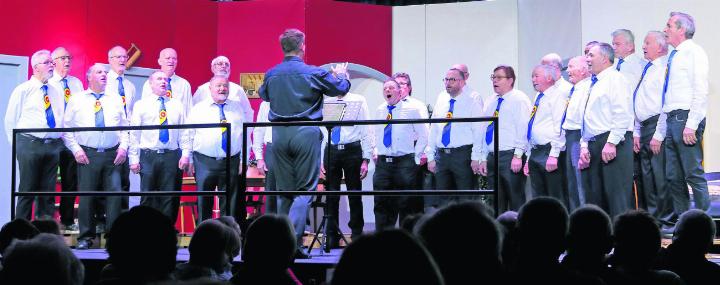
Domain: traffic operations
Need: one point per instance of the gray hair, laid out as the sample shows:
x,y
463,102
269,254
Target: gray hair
x,y
583,63
627,34
56,51
217,77
291,40
549,70
93,67
35,58
113,48
606,50
660,38
219,58
684,21
554,60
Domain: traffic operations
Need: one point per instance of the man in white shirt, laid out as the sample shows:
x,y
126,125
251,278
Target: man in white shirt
x,y
100,155
118,84
554,60
454,148
606,144
579,75
512,107
155,154
545,142
220,66
348,153
396,157
685,103
650,128
178,89
35,104
262,136
209,147
627,62
68,85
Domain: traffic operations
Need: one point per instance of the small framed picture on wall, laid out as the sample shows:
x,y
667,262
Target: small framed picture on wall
x,y
251,83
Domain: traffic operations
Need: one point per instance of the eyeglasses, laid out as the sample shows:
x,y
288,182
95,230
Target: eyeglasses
x,y
450,79
492,77
46,63
403,84
64,57
221,63
119,56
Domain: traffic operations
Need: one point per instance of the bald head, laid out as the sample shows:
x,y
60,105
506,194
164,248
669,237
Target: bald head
x,y
462,67
117,57
168,60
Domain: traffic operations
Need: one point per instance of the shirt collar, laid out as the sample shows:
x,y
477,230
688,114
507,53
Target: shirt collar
x,y
684,44
292,58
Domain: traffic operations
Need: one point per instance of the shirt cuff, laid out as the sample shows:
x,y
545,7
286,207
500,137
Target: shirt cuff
x,y
692,124
613,139
518,152
658,136
555,152
133,159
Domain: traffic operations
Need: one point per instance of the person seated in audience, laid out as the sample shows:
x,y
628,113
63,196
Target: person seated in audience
x,y
637,242
692,239
49,226
508,229
18,229
589,241
268,252
142,247
211,252
44,259
542,229
391,256
234,225
460,262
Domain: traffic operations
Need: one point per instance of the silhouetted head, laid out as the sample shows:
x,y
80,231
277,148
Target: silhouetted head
x,y
44,259
19,229
213,244
542,221
270,243
694,232
590,231
47,226
637,239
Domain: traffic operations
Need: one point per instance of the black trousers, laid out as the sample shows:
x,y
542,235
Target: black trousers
x,y
270,201
652,190
684,165
100,175
210,173
575,194
609,183
38,164
68,182
159,172
454,172
511,195
344,160
394,173
545,183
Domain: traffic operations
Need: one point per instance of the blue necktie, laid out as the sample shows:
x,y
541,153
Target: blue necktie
x,y
491,126
667,76
164,133
572,90
641,79
446,129
169,89
99,115
121,91
594,80
532,115
387,135
66,91
620,62
224,130
49,115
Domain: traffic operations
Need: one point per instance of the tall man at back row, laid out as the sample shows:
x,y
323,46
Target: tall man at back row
x,y
295,91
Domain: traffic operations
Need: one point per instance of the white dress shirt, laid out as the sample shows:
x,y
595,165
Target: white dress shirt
x,y
467,105
631,68
208,141
419,105
563,85
261,135
546,125
609,108
362,133
130,92
576,105
648,100
514,115
236,93
74,84
26,109
181,92
80,112
147,113
688,86
401,145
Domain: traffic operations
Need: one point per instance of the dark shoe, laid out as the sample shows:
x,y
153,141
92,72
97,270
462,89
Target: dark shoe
x,y
299,254
72,228
84,244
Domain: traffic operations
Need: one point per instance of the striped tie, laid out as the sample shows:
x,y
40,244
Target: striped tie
x,y
49,115
99,115
66,91
164,133
224,130
169,92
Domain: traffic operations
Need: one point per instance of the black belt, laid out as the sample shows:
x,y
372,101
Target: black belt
x,y
355,144
87,148
651,120
450,150
677,112
394,159
41,140
542,146
159,151
213,157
